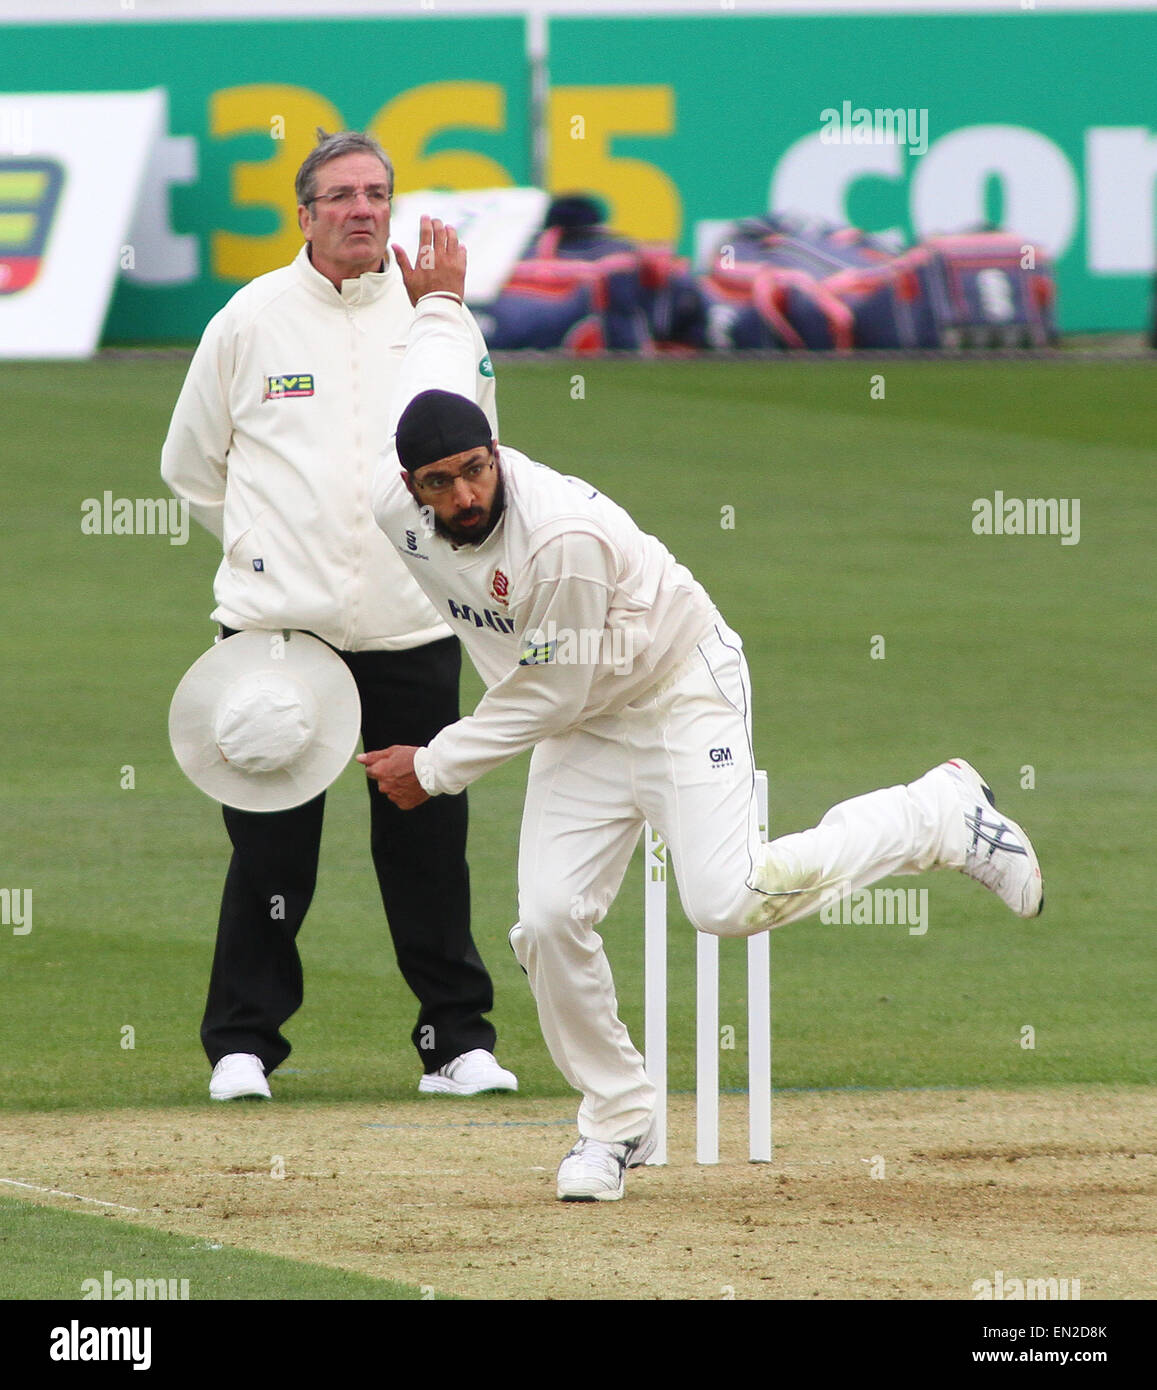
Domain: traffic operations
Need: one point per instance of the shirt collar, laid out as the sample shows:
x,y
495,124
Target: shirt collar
x,y
362,289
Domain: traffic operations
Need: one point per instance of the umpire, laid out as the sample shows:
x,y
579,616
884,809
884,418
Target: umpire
x,y
274,442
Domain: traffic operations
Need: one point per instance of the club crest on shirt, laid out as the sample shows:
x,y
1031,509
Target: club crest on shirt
x,y
500,588
278,388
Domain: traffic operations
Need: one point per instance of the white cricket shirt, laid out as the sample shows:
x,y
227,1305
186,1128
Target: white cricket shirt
x,y
567,609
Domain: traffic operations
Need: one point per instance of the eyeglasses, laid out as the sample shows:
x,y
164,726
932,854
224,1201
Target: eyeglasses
x,y
442,482
378,196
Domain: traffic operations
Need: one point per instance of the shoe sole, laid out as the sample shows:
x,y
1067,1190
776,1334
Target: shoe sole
x,y
1034,862
243,1095
590,1196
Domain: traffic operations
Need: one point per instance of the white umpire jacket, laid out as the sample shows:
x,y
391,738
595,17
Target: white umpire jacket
x,y
274,441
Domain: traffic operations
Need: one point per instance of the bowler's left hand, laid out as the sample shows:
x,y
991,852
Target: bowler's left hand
x,y
393,770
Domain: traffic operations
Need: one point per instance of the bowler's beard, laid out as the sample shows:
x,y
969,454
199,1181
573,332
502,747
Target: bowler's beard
x,y
474,535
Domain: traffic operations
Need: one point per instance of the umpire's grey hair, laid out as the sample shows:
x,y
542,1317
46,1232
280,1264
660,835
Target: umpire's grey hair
x,y
333,147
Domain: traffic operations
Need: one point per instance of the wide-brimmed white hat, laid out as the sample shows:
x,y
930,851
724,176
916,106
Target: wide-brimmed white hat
x,y
265,721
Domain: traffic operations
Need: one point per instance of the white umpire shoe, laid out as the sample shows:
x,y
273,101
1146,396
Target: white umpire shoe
x,y
239,1076
997,853
469,1075
595,1172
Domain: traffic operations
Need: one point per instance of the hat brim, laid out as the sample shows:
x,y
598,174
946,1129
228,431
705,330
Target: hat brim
x,y
293,655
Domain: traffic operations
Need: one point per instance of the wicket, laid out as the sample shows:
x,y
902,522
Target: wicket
x,y
706,1013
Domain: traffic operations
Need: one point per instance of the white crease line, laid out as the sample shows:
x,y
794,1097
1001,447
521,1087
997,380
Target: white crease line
x,y
56,1192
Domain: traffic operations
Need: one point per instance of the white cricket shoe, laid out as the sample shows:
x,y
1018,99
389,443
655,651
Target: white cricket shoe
x,y
469,1075
239,1076
997,852
595,1172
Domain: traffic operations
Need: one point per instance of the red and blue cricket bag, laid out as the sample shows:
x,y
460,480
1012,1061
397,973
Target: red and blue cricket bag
x,y
991,289
791,283
817,248
581,288
755,306
891,304
979,289
768,285
674,305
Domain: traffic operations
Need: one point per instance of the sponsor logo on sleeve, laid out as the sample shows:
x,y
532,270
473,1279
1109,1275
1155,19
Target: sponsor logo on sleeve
x,y
537,654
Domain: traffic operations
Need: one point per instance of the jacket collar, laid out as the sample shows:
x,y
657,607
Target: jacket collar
x,y
363,289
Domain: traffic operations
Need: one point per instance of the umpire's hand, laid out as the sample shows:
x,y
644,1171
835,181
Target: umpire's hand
x,y
393,770
441,264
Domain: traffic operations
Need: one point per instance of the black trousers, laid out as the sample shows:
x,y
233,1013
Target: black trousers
x,y
420,860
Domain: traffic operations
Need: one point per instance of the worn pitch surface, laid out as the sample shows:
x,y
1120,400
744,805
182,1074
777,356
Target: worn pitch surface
x,y
459,1196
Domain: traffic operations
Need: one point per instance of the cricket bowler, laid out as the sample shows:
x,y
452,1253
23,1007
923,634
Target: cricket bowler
x,y
606,656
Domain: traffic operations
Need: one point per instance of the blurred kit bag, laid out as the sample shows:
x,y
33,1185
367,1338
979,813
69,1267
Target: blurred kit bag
x,y
584,288
768,285
580,287
789,283
991,289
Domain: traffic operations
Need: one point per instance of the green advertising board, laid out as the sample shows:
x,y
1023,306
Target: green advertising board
x,y
1037,120
245,98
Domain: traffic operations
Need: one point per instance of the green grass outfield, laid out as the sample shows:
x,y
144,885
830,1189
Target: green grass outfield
x,y
852,518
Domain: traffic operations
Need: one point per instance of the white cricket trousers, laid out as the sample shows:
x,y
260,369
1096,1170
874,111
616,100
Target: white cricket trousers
x,y
682,759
